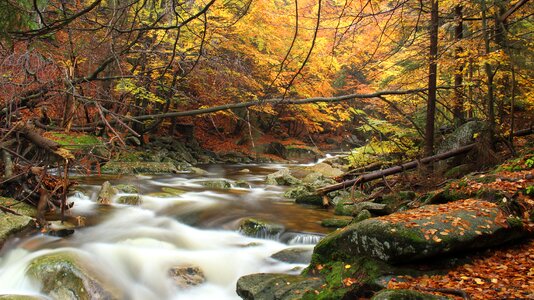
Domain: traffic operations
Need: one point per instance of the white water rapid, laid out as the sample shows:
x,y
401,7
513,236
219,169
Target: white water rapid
x,y
135,246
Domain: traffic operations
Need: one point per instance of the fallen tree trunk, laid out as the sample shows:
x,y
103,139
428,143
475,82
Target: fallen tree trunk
x,y
406,166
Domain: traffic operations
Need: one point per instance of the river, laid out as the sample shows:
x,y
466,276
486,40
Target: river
x,y
134,246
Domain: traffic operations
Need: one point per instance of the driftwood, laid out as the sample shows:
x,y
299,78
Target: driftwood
x,y
407,166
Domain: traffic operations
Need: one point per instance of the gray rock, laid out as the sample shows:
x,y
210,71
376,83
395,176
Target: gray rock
x,y
217,184
462,136
187,276
266,286
199,171
127,188
106,193
336,222
422,233
294,255
282,177
260,229
130,200
11,224
67,276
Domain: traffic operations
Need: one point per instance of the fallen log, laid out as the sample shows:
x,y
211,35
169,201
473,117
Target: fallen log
x,y
406,166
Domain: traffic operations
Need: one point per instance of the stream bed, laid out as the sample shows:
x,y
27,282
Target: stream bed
x,y
135,246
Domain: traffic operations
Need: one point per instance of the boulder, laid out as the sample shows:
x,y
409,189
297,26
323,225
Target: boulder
x,y
186,276
265,286
336,222
199,171
138,167
217,184
462,136
362,215
282,177
106,193
11,224
130,200
260,229
401,294
422,233
325,169
294,255
19,207
65,275
127,188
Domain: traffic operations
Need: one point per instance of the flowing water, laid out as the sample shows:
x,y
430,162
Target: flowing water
x,y
135,246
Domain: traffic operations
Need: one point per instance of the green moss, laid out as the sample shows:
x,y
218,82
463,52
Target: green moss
x,y
336,222
76,140
401,294
514,222
22,208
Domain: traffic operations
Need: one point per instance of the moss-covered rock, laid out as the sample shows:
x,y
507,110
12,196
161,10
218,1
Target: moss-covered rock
x,y
259,228
11,224
138,167
106,193
421,233
405,295
217,184
65,275
282,177
265,286
19,207
336,222
362,215
127,188
130,200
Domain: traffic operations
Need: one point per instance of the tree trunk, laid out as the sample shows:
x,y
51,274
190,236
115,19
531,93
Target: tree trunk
x,y
490,97
458,77
432,80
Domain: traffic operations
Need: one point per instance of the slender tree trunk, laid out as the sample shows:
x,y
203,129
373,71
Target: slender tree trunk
x,y
432,80
490,98
458,77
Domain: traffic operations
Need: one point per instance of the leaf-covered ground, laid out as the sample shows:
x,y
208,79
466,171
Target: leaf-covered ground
x,y
506,273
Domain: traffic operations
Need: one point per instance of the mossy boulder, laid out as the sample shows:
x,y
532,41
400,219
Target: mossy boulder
x,y
19,207
362,215
106,193
323,169
259,228
11,224
336,222
138,167
282,177
217,184
130,200
295,255
421,233
127,188
402,294
264,286
462,136
65,275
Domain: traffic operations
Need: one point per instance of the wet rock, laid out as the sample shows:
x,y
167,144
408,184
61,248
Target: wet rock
x,y
265,286
294,255
405,295
260,229
68,276
11,224
130,200
172,191
199,171
106,193
138,167
127,188
217,184
282,177
422,233
242,184
336,222
187,276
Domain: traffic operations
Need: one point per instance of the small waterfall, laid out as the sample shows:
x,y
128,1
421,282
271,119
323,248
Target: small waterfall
x,y
300,238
